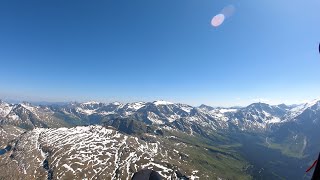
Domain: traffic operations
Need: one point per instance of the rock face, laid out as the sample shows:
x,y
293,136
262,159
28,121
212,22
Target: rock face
x,y
25,159
8,133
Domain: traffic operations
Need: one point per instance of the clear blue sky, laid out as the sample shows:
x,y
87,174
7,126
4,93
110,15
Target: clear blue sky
x,y
127,50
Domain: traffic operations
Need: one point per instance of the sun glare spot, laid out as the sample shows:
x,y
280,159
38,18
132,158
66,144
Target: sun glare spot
x,y
217,20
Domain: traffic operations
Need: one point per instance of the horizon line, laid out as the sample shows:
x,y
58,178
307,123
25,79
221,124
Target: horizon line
x,y
47,102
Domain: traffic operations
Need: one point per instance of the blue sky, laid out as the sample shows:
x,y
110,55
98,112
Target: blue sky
x,y
126,50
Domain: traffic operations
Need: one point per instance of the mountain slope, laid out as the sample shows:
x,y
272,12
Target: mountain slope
x,y
96,152
299,137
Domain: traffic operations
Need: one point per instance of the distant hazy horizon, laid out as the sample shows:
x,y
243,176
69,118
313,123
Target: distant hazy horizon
x,y
212,104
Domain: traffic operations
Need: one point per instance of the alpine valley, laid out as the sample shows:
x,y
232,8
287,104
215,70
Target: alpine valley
x,y
96,140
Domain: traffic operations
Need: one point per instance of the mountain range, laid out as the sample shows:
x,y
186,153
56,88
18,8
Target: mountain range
x,y
96,140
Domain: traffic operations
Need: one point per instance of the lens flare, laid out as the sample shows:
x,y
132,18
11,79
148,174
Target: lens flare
x,y
228,11
225,13
217,20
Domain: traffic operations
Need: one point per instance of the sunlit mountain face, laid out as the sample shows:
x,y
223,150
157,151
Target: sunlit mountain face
x,y
114,140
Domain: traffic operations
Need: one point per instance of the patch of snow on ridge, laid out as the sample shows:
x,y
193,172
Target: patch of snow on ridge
x,y
28,107
116,103
300,108
136,105
154,118
5,109
186,108
314,102
85,111
162,103
13,117
274,120
91,102
227,110
68,168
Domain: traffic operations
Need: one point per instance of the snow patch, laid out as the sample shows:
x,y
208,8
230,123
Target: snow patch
x,y
90,103
136,105
162,103
227,110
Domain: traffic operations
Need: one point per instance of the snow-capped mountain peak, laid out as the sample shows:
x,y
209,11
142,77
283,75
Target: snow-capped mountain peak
x,y
28,106
294,112
91,103
312,103
161,102
5,108
136,105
